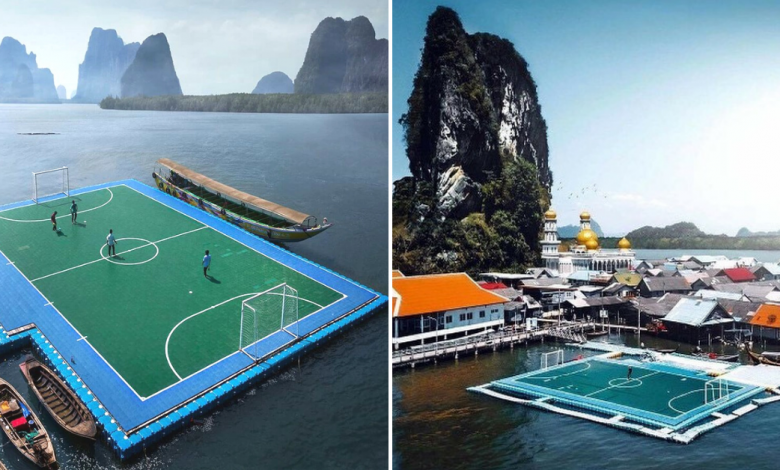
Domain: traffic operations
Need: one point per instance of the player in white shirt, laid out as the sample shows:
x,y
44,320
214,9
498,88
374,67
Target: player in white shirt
x,y
111,242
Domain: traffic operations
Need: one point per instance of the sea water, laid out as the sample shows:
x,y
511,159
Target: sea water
x,y
331,410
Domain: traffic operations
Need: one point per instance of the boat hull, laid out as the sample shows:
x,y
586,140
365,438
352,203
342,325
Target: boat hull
x,y
759,359
274,234
44,461
57,393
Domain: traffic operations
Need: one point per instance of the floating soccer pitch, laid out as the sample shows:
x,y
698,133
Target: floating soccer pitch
x,y
675,399
144,333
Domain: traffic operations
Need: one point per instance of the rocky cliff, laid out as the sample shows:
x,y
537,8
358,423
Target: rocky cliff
x,y
274,82
105,62
477,147
344,56
20,78
62,92
152,72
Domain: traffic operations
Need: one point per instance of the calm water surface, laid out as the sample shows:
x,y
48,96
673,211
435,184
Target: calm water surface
x,y
764,256
438,424
331,412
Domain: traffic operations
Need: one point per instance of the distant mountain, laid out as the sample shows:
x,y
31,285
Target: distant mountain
x,y
744,232
152,72
678,230
571,231
344,56
62,92
105,62
21,81
274,82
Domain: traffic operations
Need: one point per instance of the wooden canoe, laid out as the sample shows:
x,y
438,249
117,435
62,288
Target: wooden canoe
x,y
28,435
759,359
61,403
258,216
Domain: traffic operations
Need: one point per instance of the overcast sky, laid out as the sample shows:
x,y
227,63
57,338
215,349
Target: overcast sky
x,y
217,47
658,111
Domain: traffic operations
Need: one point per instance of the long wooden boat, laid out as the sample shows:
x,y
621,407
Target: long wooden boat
x,y
258,216
595,334
24,429
61,403
756,358
718,357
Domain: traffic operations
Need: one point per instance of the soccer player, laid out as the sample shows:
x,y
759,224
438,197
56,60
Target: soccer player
x,y
630,369
111,242
54,221
74,212
206,263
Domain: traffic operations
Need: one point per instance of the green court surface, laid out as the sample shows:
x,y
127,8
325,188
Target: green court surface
x,y
149,312
648,390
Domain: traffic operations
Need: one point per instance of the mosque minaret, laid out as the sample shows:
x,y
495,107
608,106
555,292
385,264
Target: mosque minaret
x,y
587,254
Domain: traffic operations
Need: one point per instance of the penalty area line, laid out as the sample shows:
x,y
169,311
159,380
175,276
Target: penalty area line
x,y
120,253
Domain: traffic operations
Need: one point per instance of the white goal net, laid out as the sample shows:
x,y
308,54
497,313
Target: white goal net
x,y
716,390
263,314
50,183
550,359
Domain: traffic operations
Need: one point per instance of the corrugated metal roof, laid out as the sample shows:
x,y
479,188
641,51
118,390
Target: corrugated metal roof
x,y
694,312
772,268
767,315
714,294
739,274
666,284
583,275
439,293
629,279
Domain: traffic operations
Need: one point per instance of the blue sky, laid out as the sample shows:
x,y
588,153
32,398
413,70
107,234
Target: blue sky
x,y
217,46
658,111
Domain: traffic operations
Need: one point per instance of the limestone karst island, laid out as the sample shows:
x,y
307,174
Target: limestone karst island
x,y
649,331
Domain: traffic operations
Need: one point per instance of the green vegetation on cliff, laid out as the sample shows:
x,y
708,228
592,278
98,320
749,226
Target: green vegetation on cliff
x,y
475,197
340,103
504,235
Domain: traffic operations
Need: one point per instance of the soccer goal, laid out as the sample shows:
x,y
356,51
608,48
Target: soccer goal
x,y
550,359
716,390
50,183
266,313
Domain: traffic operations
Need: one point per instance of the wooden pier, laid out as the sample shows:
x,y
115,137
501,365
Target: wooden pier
x,y
453,349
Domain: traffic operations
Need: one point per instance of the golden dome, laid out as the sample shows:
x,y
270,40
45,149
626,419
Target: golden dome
x,y
550,214
624,244
585,215
585,235
592,244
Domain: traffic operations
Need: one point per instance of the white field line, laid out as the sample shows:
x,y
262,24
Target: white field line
x,y
168,339
76,330
63,215
232,354
343,295
616,386
120,253
669,403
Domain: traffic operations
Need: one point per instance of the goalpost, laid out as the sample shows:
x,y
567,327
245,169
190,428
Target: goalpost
x,y
50,183
716,390
271,311
550,359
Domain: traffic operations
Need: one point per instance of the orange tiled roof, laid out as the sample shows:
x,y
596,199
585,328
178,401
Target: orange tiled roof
x,y
440,292
397,273
767,315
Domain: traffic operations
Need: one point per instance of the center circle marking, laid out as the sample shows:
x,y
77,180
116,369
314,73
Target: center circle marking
x,y
147,242
624,383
